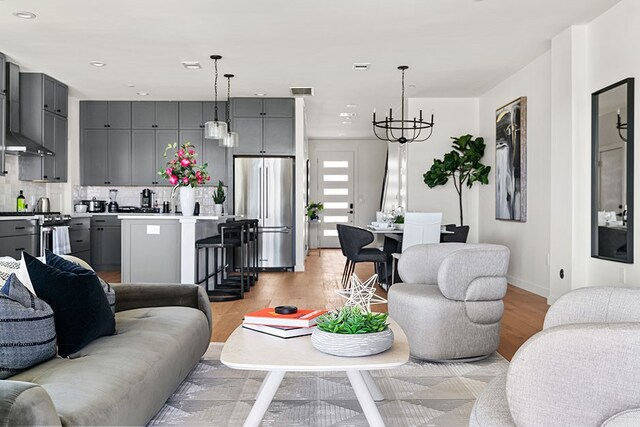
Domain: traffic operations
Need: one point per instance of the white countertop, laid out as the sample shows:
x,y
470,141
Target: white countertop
x,y
13,218
160,216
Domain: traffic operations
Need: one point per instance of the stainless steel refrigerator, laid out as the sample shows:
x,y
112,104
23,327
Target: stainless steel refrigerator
x,y
264,189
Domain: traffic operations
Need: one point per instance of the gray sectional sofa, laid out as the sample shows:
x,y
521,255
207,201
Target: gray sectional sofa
x,y
124,379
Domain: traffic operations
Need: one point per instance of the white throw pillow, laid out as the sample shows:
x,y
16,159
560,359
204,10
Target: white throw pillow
x,y
8,266
23,274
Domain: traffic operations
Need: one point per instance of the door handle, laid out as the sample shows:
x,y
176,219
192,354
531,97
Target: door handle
x,y
266,195
260,198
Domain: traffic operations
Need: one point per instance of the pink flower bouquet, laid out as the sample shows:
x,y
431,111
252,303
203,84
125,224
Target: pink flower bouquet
x,y
183,169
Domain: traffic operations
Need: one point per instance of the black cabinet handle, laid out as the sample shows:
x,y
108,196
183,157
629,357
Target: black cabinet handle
x,y
19,228
46,106
45,177
108,126
58,178
79,241
105,125
19,249
58,111
101,220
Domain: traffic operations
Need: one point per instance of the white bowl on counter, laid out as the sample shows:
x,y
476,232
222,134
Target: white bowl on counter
x,y
80,208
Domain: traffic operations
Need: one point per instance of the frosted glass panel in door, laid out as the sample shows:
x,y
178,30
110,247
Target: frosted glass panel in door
x,y
335,190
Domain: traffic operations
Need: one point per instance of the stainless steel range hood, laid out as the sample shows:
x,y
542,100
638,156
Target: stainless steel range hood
x,y
15,142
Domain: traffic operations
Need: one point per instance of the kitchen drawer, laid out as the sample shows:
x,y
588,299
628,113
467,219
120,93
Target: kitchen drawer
x,y
14,245
18,227
105,221
80,240
79,224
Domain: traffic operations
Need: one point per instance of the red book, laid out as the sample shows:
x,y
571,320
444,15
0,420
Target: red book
x,y
267,316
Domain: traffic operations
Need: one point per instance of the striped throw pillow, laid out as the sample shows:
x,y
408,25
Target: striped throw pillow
x,y
8,265
27,330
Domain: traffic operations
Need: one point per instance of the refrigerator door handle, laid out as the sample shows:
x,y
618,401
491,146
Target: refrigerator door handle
x,y
260,199
284,229
266,193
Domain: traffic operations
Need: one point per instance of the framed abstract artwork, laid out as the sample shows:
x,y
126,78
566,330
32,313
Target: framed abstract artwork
x,y
511,161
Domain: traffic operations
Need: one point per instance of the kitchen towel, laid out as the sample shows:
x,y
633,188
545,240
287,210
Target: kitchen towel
x,y
61,241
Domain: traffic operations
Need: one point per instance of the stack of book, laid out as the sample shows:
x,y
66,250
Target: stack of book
x,y
282,325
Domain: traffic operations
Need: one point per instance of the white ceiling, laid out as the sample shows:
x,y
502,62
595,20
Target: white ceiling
x,y
455,48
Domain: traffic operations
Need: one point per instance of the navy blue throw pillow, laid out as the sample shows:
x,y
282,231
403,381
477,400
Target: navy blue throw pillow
x,y
71,267
80,307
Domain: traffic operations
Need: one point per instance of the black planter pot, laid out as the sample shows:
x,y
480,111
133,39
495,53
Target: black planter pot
x,y
459,234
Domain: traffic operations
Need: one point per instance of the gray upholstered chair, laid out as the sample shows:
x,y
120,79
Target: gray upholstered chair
x,y
583,369
450,302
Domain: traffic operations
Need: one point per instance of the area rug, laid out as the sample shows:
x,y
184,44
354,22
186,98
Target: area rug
x,y
416,394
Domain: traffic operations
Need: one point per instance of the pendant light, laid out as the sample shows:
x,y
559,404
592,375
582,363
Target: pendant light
x,y
402,130
230,139
215,129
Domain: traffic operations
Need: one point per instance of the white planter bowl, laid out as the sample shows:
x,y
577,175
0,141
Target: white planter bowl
x,y
352,345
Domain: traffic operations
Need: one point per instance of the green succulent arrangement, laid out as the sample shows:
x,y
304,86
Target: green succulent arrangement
x,y
218,196
399,219
351,320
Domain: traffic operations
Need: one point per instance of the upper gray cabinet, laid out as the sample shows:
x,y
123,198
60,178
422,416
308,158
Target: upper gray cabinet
x,y
154,115
264,125
43,118
194,114
3,106
3,76
103,114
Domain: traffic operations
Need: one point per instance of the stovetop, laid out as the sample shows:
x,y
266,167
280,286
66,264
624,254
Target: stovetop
x,y
27,213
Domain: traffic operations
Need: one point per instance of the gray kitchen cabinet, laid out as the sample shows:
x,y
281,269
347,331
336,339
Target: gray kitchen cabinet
x,y
105,242
17,236
191,115
105,157
154,115
105,114
148,154
196,138
3,77
43,118
216,159
80,238
3,127
264,125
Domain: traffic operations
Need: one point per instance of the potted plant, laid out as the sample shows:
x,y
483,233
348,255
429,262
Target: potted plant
x,y
352,332
398,222
219,197
462,165
184,173
313,209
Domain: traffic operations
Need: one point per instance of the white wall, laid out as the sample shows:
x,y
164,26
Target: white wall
x,y
302,155
528,241
370,156
452,117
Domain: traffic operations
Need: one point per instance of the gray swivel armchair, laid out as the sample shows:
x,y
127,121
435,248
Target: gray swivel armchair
x,y
450,302
582,369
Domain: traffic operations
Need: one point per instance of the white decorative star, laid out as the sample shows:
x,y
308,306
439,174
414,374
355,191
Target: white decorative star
x,y
360,294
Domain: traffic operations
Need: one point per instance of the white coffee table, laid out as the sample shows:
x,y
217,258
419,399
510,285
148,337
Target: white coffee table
x,y
251,350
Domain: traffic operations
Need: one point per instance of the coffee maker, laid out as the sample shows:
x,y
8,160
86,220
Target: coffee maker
x,y
146,199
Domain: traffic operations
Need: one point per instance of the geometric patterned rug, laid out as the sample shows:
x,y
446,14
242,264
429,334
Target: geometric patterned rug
x,y
416,394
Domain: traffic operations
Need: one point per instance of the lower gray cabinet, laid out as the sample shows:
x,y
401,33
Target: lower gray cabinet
x,y
80,238
105,242
17,236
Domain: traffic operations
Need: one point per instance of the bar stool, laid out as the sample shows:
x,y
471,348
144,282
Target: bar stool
x,y
249,250
231,236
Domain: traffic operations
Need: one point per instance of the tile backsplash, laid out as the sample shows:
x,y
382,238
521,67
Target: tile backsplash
x,y
130,196
10,188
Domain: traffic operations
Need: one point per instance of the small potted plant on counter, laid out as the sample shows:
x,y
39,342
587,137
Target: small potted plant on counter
x,y
219,197
398,222
353,332
313,209
184,173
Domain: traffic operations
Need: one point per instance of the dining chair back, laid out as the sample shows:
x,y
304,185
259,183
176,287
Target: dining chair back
x,y
421,228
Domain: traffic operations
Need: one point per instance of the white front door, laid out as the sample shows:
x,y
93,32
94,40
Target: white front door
x,y
335,191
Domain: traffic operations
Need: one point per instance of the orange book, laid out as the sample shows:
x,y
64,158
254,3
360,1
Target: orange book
x,y
267,316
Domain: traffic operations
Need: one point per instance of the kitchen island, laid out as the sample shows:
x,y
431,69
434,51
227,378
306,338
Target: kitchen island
x,y
161,248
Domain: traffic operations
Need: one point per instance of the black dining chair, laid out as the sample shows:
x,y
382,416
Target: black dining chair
x,y
352,242
459,234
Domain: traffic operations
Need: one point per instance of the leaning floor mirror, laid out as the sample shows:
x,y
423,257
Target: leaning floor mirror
x,y
612,172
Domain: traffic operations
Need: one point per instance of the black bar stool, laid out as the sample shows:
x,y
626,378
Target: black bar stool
x,y
248,269
231,236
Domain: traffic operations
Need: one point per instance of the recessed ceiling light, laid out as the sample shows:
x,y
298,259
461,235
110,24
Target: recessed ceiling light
x,y
412,86
191,65
260,94
97,63
346,123
131,85
143,93
24,15
341,134
352,106
361,66
348,115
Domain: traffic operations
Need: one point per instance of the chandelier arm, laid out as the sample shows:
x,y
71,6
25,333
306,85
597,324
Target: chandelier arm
x,y
427,137
378,136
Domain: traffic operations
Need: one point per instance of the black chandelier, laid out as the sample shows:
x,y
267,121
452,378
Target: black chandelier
x,y
621,126
402,130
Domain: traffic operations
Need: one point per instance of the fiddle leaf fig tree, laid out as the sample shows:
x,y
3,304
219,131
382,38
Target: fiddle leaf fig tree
x,y
462,165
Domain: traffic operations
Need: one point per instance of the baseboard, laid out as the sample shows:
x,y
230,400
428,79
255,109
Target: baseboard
x,y
528,286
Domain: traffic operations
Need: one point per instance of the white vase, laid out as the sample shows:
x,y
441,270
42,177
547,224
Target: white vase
x,y
217,209
187,200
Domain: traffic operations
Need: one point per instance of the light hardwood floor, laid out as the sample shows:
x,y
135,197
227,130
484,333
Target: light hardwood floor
x,y
523,316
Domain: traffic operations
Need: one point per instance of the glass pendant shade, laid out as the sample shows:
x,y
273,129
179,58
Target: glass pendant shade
x,y
230,140
215,130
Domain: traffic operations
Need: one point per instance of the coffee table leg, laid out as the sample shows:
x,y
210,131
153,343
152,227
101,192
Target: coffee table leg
x,y
265,396
372,386
364,397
